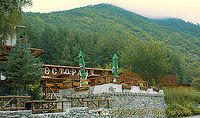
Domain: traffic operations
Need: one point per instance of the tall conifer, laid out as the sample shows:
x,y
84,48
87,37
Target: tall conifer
x,y
22,69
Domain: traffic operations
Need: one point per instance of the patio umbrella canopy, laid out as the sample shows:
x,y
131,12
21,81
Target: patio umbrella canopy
x,y
82,67
115,69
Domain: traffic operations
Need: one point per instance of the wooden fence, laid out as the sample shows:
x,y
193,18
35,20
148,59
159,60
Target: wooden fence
x,y
41,106
90,103
13,102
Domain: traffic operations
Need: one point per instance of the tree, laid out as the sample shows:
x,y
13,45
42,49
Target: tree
x,y
147,58
50,43
11,15
22,69
65,58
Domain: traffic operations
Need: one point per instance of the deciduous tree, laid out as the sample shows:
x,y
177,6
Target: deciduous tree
x,y
148,58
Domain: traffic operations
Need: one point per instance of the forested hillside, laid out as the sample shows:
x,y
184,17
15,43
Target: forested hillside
x,y
102,30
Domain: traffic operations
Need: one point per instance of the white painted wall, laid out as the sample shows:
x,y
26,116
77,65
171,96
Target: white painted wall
x,y
12,39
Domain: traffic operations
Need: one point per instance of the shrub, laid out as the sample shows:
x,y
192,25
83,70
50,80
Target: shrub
x,y
177,110
181,101
196,111
196,83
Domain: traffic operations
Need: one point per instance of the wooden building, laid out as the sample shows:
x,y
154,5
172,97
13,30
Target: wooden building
x,y
19,34
57,77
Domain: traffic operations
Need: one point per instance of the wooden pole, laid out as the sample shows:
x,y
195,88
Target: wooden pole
x,y
2,104
15,102
108,103
24,103
45,89
72,104
82,102
98,103
32,106
88,104
62,107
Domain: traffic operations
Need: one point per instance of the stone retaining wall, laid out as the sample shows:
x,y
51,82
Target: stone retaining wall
x,y
123,104
132,105
16,114
136,105
81,112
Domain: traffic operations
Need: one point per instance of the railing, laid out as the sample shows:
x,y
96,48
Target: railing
x,y
47,106
97,103
13,102
90,103
42,106
77,101
50,94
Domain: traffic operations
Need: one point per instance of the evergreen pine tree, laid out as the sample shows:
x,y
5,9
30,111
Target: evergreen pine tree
x,y
22,69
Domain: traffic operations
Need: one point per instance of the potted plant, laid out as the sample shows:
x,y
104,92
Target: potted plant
x,y
142,87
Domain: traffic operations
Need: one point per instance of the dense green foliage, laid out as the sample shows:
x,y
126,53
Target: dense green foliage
x,y
103,30
22,69
181,102
147,58
196,83
10,16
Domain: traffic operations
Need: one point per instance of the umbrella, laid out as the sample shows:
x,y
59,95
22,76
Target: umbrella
x,y
115,69
82,67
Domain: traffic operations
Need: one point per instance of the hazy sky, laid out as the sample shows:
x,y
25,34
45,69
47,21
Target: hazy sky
x,y
188,10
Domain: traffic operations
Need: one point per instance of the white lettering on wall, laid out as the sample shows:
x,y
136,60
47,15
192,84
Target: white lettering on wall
x,y
61,71
46,70
79,73
66,71
73,72
92,72
54,71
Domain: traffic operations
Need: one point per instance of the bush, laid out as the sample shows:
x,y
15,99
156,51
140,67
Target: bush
x,y
34,92
196,111
181,101
196,83
177,110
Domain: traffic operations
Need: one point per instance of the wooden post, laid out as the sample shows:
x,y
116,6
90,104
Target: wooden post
x,y
72,85
32,106
72,104
82,102
15,102
56,88
98,103
2,103
49,105
99,114
62,107
108,103
92,82
24,103
88,104
45,89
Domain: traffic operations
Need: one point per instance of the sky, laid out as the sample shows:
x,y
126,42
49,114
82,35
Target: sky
x,y
188,10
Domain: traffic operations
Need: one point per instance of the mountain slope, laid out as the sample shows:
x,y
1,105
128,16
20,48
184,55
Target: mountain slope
x,y
180,25
104,22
